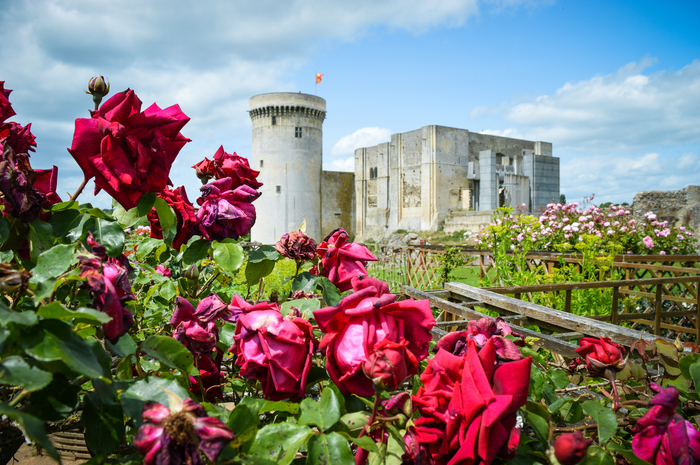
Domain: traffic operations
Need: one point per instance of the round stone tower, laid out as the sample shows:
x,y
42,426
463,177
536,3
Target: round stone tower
x,y
287,149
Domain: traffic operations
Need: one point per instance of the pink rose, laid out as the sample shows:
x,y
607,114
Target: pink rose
x,y
364,319
162,270
224,212
342,260
274,350
468,405
126,150
648,242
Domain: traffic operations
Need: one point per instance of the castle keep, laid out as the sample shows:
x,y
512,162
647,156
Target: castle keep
x,y
419,178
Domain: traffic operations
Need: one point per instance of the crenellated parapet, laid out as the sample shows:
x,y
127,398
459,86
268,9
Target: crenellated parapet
x,y
270,110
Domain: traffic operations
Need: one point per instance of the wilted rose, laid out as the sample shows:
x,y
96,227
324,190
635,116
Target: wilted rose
x,y
601,355
663,437
126,150
227,165
570,448
225,213
184,212
274,350
389,364
175,435
361,321
481,332
297,246
468,405
342,260
108,282
196,328
20,198
210,376
19,137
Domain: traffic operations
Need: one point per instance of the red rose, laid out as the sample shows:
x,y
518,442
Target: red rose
x,y
184,211
196,328
570,448
19,137
274,350
126,150
224,212
601,355
364,319
468,405
390,364
480,332
342,260
227,165
46,181
6,110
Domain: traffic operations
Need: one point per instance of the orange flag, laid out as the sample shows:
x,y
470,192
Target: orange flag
x,y
318,77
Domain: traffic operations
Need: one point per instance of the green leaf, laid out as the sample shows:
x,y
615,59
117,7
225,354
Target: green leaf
x,y
104,419
68,224
53,340
124,346
279,442
539,426
686,362
331,448
169,352
41,238
559,404
254,271
331,295
596,455
150,389
108,233
168,290
604,416
526,351
244,422
305,281
571,412
559,378
228,255
280,406
305,306
323,414
4,230
263,253
131,217
33,428
668,353
167,220
147,246
97,213
15,371
354,422
26,318
365,442
196,250
82,315
56,401
695,374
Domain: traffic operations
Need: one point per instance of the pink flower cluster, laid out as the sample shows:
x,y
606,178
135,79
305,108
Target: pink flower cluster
x,y
560,225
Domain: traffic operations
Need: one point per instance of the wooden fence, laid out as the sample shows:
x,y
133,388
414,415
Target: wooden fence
x,y
459,303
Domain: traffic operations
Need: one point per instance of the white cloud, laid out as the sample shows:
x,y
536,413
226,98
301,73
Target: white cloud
x,y
620,111
340,164
364,137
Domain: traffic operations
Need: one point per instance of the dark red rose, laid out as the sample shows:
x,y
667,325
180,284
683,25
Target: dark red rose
x,y
468,405
6,110
480,332
184,212
227,165
601,355
297,246
210,376
196,328
364,319
46,182
126,150
19,137
570,448
225,213
274,350
389,364
342,260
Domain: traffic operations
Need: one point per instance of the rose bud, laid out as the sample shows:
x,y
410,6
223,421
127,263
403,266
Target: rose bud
x,y
98,86
570,448
390,364
10,279
603,357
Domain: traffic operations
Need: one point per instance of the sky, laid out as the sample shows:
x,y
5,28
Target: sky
x,y
615,86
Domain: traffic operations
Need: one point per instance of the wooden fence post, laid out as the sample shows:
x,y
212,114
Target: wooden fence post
x,y
615,297
657,310
697,312
567,301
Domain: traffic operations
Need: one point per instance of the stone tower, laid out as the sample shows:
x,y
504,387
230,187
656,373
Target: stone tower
x,y
287,149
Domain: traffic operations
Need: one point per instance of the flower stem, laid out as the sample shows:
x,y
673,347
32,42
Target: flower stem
x,y
371,420
80,190
206,285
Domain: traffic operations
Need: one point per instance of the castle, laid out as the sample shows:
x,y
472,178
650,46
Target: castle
x,y
414,182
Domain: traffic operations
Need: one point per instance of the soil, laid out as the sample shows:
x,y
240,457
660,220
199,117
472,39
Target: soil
x,y
27,455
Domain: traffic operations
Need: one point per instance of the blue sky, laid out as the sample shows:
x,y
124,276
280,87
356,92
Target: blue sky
x,y
615,86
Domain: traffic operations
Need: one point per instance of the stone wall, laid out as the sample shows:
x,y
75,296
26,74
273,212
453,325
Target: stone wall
x,y
679,208
337,203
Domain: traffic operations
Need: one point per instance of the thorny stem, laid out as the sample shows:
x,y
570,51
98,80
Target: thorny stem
x,y
206,285
586,427
202,391
261,289
372,419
